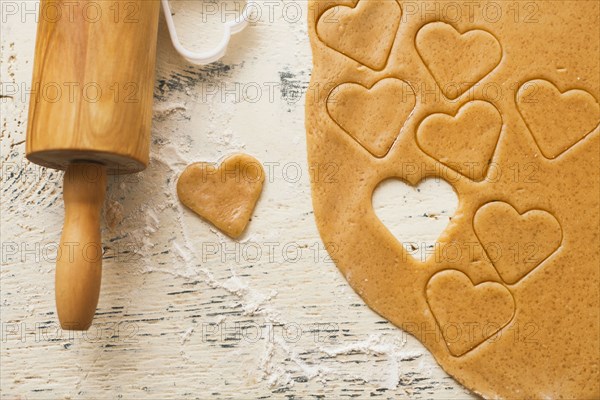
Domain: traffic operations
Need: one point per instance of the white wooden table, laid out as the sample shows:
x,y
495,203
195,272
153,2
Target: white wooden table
x,y
185,312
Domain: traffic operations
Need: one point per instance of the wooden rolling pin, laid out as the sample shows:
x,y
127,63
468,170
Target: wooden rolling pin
x,y
90,114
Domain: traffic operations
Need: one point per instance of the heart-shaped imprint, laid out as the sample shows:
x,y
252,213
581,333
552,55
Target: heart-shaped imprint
x,y
364,112
351,30
416,216
457,61
225,196
468,314
557,120
516,243
465,142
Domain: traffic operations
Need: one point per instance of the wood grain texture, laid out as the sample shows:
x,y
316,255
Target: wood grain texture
x,y
171,313
92,79
79,263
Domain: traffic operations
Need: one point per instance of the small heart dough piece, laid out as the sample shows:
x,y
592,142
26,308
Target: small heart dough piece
x,y
358,32
468,314
224,196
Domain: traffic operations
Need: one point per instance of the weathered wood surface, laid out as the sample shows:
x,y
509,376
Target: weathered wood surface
x,y
185,312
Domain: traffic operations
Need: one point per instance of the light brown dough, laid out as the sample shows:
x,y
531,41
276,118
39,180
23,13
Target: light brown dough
x,y
358,111
505,109
472,134
224,196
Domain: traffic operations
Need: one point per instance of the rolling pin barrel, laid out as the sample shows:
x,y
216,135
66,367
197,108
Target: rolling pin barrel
x,y
90,114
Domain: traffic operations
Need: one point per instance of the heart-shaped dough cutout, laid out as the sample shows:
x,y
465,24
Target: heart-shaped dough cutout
x,y
465,142
364,112
225,196
457,61
516,243
351,30
468,314
557,120
416,215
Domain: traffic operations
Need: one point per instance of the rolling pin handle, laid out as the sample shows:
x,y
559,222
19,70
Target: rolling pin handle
x,y
79,261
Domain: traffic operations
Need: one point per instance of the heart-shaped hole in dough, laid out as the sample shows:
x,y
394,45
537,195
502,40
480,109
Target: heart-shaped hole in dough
x,y
415,215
